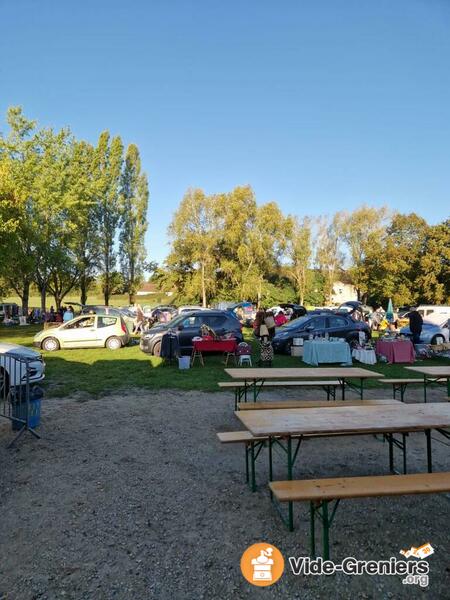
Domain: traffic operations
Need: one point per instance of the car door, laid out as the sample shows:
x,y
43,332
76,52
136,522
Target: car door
x,y
337,326
106,327
190,327
218,323
78,333
315,326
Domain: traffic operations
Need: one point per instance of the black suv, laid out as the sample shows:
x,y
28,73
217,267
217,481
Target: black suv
x,y
336,325
187,326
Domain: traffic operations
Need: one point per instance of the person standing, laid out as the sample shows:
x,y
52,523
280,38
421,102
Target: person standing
x,y
68,315
415,325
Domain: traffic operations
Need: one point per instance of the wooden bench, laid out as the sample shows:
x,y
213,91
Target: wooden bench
x,y
254,445
400,384
311,404
319,492
240,387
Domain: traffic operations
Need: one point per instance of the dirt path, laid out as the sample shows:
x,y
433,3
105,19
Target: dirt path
x,y
132,497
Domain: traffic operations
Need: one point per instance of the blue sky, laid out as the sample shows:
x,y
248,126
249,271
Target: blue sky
x,y
318,105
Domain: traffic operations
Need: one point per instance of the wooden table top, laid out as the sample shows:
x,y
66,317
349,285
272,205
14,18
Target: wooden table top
x,y
433,371
300,373
352,419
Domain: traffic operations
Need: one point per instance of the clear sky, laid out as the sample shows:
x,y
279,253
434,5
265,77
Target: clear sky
x,y
319,105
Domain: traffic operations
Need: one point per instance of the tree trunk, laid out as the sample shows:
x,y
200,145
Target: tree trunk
x,y
25,297
203,286
106,289
43,291
83,289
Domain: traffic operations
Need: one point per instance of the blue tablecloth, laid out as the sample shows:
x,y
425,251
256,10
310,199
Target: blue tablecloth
x,y
318,352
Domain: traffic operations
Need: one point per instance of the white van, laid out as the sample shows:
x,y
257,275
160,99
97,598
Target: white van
x,y
439,315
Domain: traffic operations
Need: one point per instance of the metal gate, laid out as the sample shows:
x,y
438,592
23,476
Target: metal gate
x,y
15,393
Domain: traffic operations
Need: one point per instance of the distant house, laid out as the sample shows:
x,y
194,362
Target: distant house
x,y
343,292
149,288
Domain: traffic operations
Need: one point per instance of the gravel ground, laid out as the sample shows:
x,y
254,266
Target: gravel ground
x,y
131,496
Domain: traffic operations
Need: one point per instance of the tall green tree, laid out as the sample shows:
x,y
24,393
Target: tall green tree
x,y
329,255
107,167
85,239
19,160
433,280
134,204
362,229
194,233
299,253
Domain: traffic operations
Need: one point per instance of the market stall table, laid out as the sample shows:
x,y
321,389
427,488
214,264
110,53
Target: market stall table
x,y
396,351
432,375
282,425
366,356
316,352
200,346
254,378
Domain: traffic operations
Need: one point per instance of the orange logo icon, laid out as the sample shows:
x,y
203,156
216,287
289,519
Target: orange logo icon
x,y
262,564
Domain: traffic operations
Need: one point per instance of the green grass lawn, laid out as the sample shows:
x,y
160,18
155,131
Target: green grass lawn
x,y
98,371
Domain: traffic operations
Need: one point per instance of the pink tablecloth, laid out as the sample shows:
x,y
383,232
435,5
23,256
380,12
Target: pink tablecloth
x,y
215,345
398,351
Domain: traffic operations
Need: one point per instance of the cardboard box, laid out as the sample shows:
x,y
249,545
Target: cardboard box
x,y
296,350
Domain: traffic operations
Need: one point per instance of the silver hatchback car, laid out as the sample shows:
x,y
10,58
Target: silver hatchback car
x,y
85,331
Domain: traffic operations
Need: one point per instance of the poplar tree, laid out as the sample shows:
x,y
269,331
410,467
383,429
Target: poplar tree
x,y
133,205
107,172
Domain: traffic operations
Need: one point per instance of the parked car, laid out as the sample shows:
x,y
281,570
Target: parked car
x,y
188,308
359,310
167,308
85,331
99,309
439,315
10,309
431,333
293,311
187,326
244,312
14,372
336,325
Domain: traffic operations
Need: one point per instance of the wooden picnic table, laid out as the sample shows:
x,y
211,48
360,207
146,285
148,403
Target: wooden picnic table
x,y
431,375
282,425
255,377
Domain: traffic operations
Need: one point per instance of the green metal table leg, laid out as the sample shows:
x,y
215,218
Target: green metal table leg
x,y
326,530
424,388
429,451
391,452
394,391
343,388
247,473
252,457
404,453
270,463
361,388
312,515
289,474
448,387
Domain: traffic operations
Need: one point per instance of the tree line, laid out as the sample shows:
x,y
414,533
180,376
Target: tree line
x,y
70,212
227,247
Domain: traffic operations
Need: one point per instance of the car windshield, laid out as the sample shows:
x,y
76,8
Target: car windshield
x,y
295,324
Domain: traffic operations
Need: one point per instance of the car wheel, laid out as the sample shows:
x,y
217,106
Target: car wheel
x,y
438,339
156,350
113,343
4,384
50,344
